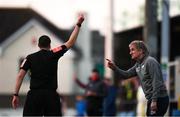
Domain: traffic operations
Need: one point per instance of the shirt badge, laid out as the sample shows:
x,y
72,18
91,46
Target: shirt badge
x,y
57,49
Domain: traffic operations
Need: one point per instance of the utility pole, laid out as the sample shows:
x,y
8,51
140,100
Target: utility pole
x,y
150,28
165,41
109,39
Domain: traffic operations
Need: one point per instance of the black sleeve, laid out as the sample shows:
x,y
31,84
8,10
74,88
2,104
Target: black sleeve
x,y
59,51
25,65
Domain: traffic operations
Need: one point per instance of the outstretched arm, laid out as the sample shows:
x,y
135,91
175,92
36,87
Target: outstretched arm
x,y
79,83
20,77
75,32
124,74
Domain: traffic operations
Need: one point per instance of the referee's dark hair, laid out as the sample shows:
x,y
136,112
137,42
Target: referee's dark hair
x,y
44,41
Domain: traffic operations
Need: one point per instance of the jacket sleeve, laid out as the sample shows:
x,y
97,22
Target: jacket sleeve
x,y
126,74
81,84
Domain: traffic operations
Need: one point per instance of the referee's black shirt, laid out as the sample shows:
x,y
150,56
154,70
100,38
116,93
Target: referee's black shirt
x,y
43,67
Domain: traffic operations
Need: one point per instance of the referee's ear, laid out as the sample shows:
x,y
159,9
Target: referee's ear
x,y
39,45
49,46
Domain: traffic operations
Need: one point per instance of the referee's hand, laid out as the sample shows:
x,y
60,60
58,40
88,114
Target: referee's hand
x,y
15,102
80,19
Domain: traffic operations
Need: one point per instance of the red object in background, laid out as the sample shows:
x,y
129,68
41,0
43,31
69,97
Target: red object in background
x,y
34,41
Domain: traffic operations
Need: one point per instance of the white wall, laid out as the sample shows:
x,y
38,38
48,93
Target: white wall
x,y
66,70
10,58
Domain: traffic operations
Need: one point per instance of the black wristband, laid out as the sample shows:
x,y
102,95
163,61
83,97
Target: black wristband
x,y
78,24
15,94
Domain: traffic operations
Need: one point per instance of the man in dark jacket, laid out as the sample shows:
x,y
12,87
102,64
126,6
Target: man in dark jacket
x,y
95,91
149,72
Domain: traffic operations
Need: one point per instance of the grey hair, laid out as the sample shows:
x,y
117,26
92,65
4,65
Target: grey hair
x,y
140,45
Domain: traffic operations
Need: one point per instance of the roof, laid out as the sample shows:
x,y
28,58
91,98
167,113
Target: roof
x,y
12,19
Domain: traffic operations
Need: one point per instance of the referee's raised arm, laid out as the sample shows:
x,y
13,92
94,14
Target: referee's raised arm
x,y
74,34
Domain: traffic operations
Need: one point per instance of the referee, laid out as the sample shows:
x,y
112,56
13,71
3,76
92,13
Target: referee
x,y
42,98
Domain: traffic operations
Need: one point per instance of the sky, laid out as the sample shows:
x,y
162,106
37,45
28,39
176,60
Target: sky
x,y
63,13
